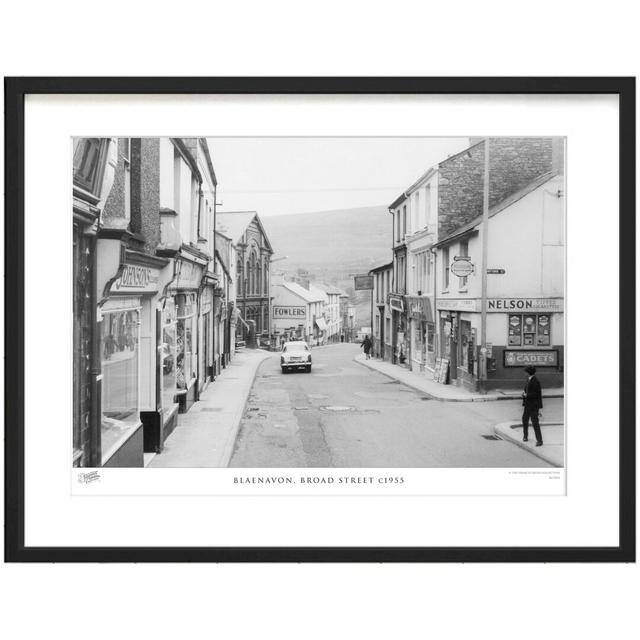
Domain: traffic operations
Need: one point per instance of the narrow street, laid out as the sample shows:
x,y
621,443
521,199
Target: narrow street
x,y
345,415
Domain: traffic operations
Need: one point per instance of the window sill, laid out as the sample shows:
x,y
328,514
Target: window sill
x,y
169,412
119,443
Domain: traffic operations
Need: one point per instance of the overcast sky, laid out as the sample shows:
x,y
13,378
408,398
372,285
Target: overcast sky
x,y
276,176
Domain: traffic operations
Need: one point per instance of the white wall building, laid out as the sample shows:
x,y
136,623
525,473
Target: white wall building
x,y
525,289
332,316
296,312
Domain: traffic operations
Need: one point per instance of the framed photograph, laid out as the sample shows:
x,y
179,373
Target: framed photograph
x,y
320,319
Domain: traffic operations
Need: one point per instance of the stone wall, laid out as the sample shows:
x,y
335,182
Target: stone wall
x,y
145,191
513,164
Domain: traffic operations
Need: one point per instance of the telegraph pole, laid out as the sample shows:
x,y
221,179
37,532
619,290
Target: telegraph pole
x,y
485,255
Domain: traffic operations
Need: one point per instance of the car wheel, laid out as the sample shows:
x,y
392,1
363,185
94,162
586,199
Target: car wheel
x,y
309,369
284,369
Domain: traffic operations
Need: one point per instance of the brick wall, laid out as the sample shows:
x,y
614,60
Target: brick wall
x,y
514,163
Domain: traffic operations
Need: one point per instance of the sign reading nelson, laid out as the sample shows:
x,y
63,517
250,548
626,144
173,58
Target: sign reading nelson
x,y
288,312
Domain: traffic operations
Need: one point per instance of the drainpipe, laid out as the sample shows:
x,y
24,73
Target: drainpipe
x,y
95,371
436,319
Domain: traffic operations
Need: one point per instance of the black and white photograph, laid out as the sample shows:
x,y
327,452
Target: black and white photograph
x,y
355,324
318,302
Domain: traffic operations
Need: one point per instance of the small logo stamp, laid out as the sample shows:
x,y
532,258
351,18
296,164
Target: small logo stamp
x,y
88,477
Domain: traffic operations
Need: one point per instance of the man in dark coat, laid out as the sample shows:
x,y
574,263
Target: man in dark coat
x,y
367,344
532,403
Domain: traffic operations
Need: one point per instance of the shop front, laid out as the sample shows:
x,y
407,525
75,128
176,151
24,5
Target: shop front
x,y
422,333
401,345
206,362
520,331
128,341
182,367
320,331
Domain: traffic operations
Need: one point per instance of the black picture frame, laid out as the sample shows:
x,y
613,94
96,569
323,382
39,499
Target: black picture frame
x,y
15,91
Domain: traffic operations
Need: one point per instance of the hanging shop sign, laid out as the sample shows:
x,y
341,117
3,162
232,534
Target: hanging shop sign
x,y
136,279
515,358
363,283
280,312
462,267
534,305
396,302
496,271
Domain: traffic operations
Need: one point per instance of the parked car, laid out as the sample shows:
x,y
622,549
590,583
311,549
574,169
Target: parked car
x,y
295,355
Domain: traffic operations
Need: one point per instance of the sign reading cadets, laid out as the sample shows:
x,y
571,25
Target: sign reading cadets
x,y
547,358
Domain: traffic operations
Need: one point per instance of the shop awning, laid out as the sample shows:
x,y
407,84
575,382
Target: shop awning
x,y
238,316
321,324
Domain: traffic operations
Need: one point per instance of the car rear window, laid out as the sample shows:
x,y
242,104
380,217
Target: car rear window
x,y
296,347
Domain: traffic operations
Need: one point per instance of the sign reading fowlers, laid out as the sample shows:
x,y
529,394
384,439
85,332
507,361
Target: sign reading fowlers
x,y
289,312
136,279
363,283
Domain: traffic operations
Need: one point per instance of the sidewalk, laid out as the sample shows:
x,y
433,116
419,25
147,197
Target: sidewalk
x,y
206,434
447,393
552,451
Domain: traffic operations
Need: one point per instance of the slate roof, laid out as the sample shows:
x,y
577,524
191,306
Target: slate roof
x,y
234,223
305,294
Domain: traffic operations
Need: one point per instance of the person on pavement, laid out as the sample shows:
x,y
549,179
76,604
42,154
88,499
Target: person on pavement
x,y
532,403
366,344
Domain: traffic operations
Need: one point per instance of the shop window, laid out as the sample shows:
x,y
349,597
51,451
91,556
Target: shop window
x,y
431,332
119,345
465,360
529,329
168,355
185,363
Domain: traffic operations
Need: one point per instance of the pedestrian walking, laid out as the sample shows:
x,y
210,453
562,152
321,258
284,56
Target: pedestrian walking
x,y
532,403
366,344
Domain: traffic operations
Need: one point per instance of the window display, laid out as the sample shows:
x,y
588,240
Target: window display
x,y
168,355
529,330
185,310
119,347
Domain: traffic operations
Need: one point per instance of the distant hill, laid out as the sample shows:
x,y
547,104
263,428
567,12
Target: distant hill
x,y
332,246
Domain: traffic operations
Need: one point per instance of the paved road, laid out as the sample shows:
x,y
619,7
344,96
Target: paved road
x,y
345,415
